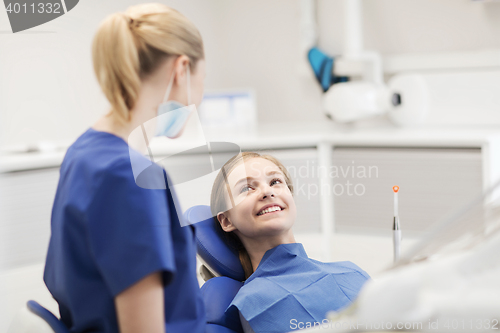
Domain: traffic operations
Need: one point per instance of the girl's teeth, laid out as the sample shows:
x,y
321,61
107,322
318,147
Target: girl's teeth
x,y
270,209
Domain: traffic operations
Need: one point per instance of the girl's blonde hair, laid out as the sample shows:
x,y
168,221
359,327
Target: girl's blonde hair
x,y
130,46
218,201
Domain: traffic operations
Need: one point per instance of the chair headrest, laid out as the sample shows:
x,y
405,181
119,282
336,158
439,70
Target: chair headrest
x,y
211,245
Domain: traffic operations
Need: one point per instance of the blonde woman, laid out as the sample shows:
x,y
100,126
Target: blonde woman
x,y
118,258
252,202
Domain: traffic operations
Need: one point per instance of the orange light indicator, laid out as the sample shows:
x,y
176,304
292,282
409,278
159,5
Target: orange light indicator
x,y
395,189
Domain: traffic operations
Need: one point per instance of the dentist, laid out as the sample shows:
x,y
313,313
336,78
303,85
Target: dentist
x,y
118,258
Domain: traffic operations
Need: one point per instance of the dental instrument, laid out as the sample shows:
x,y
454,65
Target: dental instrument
x,y
396,228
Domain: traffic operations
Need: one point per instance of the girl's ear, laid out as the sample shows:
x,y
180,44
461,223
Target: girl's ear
x,y
225,223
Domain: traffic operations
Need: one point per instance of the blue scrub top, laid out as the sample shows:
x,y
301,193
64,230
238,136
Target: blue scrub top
x,y
108,233
290,291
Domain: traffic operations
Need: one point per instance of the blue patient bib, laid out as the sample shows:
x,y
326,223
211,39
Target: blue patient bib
x,y
289,291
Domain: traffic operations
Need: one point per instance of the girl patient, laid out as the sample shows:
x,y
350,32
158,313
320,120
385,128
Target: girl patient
x,y
252,202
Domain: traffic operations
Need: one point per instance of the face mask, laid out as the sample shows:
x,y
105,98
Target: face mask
x,y
172,116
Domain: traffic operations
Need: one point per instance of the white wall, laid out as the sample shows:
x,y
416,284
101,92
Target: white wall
x,y
261,46
415,26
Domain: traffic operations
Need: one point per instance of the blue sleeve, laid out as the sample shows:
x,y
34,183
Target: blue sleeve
x,y
129,229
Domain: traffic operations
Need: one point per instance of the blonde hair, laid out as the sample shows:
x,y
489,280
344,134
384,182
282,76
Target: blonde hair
x,y
218,202
129,46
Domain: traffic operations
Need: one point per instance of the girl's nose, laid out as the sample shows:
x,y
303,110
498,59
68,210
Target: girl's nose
x,y
267,191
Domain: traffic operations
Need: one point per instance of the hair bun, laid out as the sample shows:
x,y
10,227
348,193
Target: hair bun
x,y
131,22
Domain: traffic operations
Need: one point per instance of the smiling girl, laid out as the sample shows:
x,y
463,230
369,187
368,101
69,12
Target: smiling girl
x,y
252,202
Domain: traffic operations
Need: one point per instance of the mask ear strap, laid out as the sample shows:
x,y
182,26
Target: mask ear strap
x,y
189,85
167,93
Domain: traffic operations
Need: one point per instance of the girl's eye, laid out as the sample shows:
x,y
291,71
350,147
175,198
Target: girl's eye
x,y
276,181
246,188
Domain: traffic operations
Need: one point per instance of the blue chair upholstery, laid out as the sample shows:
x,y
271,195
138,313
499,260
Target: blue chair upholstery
x,y
49,318
212,247
218,292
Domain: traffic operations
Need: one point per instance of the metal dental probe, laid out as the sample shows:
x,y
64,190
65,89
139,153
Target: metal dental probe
x,y
396,227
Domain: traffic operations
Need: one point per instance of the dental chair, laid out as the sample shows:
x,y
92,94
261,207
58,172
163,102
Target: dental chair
x,y
221,269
